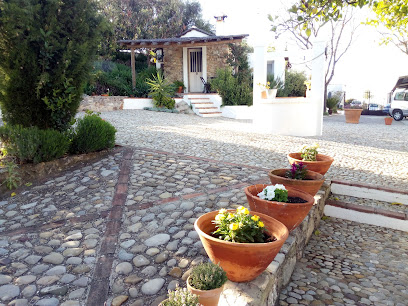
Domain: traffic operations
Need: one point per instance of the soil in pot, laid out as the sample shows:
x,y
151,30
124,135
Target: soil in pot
x,y
311,184
242,262
290,214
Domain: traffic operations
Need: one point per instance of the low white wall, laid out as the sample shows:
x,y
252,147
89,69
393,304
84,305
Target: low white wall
x,y
286,116
238,112
140,103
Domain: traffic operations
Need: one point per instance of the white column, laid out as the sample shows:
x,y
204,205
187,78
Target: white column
x,y
318,80
260,71
204,68
185,69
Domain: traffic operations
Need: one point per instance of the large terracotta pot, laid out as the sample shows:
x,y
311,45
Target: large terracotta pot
x,y
388,120
242,262
352,115
290,214
311,184
321,165
206,297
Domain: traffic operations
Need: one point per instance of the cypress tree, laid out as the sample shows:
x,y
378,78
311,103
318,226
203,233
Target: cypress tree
x,y
46,53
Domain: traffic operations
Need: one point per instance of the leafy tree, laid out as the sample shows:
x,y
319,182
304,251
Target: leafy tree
x,y
46,52
294,85
238,59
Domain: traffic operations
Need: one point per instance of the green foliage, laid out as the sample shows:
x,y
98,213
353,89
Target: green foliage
x,y
178,84
309,153
229,88
294,85
239,227
181,297
297,172
13,178
332,103
32,144
207,276
237,58
161,91
92,134
46,49
275,83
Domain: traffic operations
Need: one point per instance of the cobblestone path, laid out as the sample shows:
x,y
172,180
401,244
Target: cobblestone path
x,y
351,263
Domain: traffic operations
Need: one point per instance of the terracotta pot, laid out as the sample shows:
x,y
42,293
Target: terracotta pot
x,y
264,94
321,165
104,95
242,262
388,120
290,214
310,185
352,115
180,89
206,297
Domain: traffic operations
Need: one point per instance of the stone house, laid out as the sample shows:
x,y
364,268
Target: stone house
x,y
193,56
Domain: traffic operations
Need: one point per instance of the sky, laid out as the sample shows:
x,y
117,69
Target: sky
x,y
367,65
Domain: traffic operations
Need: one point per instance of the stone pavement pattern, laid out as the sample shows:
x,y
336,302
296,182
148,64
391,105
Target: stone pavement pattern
x,y
351,263
121,229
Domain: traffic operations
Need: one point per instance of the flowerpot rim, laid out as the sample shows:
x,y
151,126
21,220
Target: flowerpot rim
x,y
320,176
254,245
324,158
308,196
199,290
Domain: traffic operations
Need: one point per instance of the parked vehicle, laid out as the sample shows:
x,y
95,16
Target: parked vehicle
x,y
373,106
399,104
386,109
356,103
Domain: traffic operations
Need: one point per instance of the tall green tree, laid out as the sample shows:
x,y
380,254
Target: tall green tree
x,y
46,52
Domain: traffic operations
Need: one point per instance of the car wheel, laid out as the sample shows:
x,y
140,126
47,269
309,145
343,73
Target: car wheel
x,y
397,115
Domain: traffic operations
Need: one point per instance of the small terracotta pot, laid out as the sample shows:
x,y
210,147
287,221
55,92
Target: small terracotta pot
x,y
352,115
242,262
180,89
321,165
310,185
388,120
290,214
264,94
206,297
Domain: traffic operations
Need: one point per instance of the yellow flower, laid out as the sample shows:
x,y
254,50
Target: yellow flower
x,y
219,217
13,194
230,216
222,211
242,210
255,218
233,226
260,224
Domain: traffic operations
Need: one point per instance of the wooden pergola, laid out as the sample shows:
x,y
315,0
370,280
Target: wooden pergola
x,y
175,41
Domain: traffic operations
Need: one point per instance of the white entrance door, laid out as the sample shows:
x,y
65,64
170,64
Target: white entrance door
x,y
195,70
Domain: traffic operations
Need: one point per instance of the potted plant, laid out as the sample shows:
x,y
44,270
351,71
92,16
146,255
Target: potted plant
x,y
274,84
388,120
207,281
179,85
332,104
264,88
287,205
299,177
181,297
352,112
312,159
243,243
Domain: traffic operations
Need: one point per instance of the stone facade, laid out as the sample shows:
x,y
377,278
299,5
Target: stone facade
x,y
101,103
216,59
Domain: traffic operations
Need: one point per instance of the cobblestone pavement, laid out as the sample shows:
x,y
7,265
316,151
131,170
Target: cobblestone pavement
x,y
121,229
351,263
369,152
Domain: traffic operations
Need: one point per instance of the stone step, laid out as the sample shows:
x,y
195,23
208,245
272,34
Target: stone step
x,y
213,114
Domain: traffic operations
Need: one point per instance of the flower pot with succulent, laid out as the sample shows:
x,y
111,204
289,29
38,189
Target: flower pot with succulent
x,y
207,281
181,296
352,113
299,177
243,243
287,205
179,86
312,159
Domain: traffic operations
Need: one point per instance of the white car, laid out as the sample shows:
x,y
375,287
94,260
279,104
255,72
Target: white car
x,y
399,104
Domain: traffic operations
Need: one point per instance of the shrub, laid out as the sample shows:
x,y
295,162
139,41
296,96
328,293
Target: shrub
x,y
275,82
207,276
46,51
181,297
230,89
332,103
161,90
32,144
91,134
294,85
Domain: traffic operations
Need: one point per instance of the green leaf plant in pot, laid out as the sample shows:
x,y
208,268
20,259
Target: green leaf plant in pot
x,y
313,160
181,297
243,243
287,205
207,281
299,177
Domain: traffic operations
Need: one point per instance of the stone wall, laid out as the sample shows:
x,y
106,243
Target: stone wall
x,y
265,289
101,103
173,63
216,59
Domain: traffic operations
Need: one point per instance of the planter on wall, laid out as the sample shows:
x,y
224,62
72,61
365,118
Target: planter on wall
x,y
242,262
388,120
290,214
272,93
206,297
321,165
264,94
352,115
311,184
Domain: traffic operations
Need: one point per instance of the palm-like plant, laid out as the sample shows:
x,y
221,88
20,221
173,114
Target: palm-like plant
x,y
160,89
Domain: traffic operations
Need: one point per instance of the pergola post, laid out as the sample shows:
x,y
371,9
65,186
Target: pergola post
x,y
132,61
